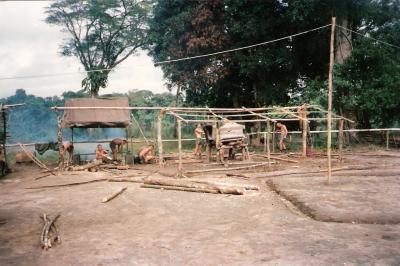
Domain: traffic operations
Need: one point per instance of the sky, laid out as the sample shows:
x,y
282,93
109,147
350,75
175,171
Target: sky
x,y
29,46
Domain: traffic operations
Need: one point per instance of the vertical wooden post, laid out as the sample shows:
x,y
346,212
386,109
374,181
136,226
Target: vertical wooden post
x,y
265,141
304,137
60,143
268,149
341,139
4,140
273,138
180,147
159,137
387,139
127,146
330,89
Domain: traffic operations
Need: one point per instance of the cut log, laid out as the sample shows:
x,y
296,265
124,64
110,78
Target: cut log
x,y
122,167
221,184
107,199
223,189
133,180
200,190
226,169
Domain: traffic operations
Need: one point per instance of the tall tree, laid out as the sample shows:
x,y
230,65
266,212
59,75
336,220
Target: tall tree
x,y
102,34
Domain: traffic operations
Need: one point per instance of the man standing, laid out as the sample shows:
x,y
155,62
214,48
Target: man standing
x,y
283,135
198,132
117,146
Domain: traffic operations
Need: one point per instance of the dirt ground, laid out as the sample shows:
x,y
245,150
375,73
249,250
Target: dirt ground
x,y
295,219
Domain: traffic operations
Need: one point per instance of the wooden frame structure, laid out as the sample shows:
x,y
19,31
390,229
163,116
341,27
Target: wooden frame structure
x,y
244,115
268,115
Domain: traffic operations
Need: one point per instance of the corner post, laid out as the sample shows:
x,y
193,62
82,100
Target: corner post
x,y
268,148
180,147
340,139
159,137
330,89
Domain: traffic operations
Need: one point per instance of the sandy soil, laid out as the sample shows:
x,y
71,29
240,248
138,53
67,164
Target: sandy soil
x,y
160,227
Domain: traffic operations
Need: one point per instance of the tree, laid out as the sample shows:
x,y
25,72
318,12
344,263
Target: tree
x,y
102,34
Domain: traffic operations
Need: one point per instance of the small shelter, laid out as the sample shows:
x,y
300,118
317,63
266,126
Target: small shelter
x,y
92,113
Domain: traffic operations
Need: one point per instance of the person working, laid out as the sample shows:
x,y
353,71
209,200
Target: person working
x,y
68,147
145,154
102,154
117,146
198,132
283,135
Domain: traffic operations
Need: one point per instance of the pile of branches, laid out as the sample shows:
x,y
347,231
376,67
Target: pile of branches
x,y
50,232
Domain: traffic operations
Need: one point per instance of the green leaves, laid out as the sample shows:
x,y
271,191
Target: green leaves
x,y
102,33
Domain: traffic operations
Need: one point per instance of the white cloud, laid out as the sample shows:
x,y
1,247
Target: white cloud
x,y
29,46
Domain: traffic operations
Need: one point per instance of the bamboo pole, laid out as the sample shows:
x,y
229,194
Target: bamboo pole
x,y
159,137
265,142
387,139
340,139
268,145
330,89
60,143
180,147
304,137
273,138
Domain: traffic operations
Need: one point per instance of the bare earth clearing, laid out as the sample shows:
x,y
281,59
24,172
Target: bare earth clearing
x,y
295,219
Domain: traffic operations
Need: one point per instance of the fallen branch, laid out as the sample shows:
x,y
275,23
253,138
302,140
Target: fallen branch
x,y
238,175
107,199
34,159
69,184
48,225
84,167
226,169
39,177
201,190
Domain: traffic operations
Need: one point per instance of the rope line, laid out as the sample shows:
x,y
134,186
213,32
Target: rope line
x,y
368,37
241,48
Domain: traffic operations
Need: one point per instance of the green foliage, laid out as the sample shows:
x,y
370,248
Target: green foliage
x,y
35,122
102,34
289,71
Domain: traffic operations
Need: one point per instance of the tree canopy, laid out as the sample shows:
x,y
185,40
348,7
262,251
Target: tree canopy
x,y
102,34
292,70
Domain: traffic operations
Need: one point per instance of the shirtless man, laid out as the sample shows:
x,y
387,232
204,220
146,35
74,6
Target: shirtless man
x,y
145,154
101,154
283,136
69,147
117,146
198,132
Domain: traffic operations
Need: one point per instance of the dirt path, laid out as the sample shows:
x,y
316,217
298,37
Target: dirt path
x,y
155,227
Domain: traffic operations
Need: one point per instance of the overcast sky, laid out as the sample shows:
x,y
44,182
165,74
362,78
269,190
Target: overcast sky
x,y
28,46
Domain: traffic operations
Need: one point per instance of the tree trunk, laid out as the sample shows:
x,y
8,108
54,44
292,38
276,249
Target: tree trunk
x,y
343,41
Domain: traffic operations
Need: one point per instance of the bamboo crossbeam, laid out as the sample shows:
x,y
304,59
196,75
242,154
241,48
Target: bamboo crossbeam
x,y
262,116
177,116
